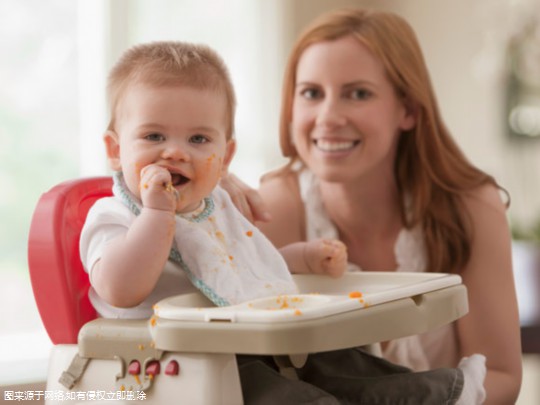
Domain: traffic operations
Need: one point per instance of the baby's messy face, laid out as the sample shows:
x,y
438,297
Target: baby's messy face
x,y
178,128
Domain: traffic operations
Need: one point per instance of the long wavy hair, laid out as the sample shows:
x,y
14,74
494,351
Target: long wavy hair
x,y
431,171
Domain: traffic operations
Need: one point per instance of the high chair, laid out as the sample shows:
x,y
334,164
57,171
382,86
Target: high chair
x,y
186,352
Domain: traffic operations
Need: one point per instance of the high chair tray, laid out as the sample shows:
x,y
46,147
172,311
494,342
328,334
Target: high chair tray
x,y
318,296
356,309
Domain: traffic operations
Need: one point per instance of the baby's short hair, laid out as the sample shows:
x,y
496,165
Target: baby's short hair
x,y
169,63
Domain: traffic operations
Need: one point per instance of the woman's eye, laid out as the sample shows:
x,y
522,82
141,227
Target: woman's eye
x,y
198,139
310,93
359,94
154,137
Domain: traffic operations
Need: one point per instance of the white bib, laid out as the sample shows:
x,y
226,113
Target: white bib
x,y
224,255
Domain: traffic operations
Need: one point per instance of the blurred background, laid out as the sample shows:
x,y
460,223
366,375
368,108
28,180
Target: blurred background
x,y
484,58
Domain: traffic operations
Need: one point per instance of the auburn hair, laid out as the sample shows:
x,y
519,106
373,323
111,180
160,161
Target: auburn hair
x,y
431,171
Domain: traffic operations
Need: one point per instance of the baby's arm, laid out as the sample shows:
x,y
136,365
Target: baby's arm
x,y
322,256
131,264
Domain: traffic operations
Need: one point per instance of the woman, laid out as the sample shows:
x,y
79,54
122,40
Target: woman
x,y
372,164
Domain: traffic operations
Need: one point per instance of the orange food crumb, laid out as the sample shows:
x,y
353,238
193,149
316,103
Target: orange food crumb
x,y
220,235
284,304
169,187
153,321
140,347
355,294
145,185
297,312
137,379
249,233
231,258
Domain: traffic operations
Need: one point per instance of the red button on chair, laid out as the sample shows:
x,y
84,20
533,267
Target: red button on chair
x,y
152,368
172,368
134,368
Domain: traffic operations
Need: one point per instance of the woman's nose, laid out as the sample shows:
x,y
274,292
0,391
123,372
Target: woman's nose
x,y
331,114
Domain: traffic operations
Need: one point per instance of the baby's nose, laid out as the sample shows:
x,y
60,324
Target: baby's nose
x,y
174,151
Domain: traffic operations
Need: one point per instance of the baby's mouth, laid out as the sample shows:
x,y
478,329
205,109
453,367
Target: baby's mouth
x,y
178,179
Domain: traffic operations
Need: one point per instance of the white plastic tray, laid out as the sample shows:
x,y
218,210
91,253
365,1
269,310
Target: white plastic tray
x,y
319,296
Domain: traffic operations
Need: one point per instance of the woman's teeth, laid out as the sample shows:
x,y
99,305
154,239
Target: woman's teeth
x,y
334,146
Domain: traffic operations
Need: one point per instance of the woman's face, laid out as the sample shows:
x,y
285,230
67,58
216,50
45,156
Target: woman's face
x,y
346,117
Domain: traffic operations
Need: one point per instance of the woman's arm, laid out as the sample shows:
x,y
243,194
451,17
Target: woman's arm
x,y
492,325
282,198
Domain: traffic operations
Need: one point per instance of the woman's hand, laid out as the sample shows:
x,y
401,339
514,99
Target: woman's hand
x,y
247,200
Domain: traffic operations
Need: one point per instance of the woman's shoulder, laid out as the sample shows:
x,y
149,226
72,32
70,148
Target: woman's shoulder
x,y
486,197
281,194
280,180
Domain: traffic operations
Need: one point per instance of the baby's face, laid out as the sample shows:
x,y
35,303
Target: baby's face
x,y
178,128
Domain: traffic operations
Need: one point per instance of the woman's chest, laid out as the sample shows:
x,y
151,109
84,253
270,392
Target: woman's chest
x,y
371,255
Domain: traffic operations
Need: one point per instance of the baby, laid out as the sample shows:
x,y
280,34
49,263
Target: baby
x,y
170,229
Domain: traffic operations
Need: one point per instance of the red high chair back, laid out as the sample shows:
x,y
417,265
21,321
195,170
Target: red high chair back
x,y
59,281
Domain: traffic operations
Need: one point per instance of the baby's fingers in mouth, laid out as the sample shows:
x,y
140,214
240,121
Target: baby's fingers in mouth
x,y
170,188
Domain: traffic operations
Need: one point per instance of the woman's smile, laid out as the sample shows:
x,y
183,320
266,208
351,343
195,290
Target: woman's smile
x,y
334,145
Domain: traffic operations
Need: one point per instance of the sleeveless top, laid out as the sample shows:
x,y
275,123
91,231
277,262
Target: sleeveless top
x,y
433,349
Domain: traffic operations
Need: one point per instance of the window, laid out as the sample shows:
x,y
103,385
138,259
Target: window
x,y
38,134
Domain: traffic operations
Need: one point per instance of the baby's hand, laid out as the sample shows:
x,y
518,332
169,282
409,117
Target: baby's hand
x,y
156,189
326,256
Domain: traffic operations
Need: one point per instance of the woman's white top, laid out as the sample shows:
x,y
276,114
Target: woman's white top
x,y
433,349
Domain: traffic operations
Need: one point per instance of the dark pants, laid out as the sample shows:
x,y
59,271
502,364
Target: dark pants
x,y
349,376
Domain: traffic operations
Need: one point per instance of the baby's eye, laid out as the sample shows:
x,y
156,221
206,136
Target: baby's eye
x,y
154,137
359,94
311,93
198,138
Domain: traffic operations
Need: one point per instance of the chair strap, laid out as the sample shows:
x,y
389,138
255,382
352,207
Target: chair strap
x,y
74,372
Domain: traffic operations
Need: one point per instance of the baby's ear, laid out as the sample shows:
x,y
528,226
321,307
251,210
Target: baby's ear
x,y
229,154
112,145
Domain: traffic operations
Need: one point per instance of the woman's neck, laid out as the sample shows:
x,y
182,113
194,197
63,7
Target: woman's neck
x,y
368,220
363,208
